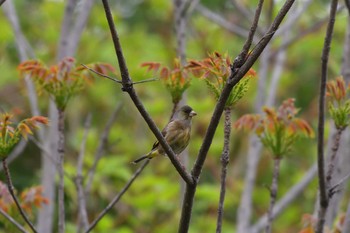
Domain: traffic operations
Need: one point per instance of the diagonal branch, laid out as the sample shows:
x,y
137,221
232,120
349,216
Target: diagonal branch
x,y
10,188
225,159
116,80
117,197
218,19
243,54
324,199
128,87
236,75
13,221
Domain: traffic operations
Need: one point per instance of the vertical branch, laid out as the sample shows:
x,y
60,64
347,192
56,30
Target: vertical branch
x,y
10,188
225,159
324,199
291,195
83,221
180,29
332,161
79,25
61,211
273,193
68,20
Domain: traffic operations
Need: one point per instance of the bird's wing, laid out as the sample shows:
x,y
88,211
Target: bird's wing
x,y
156,144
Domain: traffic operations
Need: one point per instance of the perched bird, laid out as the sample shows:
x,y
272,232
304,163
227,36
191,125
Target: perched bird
x,y
177,134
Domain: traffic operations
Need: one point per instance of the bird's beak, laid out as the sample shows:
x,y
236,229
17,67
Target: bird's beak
x,y
192,113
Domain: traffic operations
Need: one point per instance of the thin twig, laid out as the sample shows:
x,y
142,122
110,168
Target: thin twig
x,y
117,197
82,217
128,87
291,195
60,149
243,54
13,221
273,193
101,147
102,75
218,19
335,187
118,81
225,159
324,199
11,190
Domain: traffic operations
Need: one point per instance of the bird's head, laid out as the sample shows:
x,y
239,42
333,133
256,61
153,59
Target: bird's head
x,y
186,112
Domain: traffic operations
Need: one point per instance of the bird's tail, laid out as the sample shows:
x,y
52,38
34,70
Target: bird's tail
x,y
140,159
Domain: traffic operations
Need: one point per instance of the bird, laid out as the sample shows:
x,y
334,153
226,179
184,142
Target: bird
x,y
177,133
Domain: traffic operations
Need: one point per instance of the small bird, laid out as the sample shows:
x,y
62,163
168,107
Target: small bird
x,y
177,134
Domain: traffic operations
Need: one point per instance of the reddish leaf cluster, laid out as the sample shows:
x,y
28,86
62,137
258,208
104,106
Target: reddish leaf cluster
x,y
11,135
276,129
33,197
176,79
215,65
29,198
336,89
62,80
339,103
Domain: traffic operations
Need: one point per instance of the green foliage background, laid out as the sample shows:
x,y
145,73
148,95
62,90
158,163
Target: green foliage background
x,y
153,203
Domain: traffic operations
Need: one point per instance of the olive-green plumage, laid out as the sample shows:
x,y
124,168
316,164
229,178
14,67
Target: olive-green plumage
x,y
177,133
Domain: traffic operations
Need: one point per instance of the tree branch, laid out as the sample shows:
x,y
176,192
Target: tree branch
x,y
290,196
332,161
10,188
218,19
82,213
225,159
13,221
60,149
79,25
273,193
236,75
128,87
117,197
324,199
68,20
116,80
